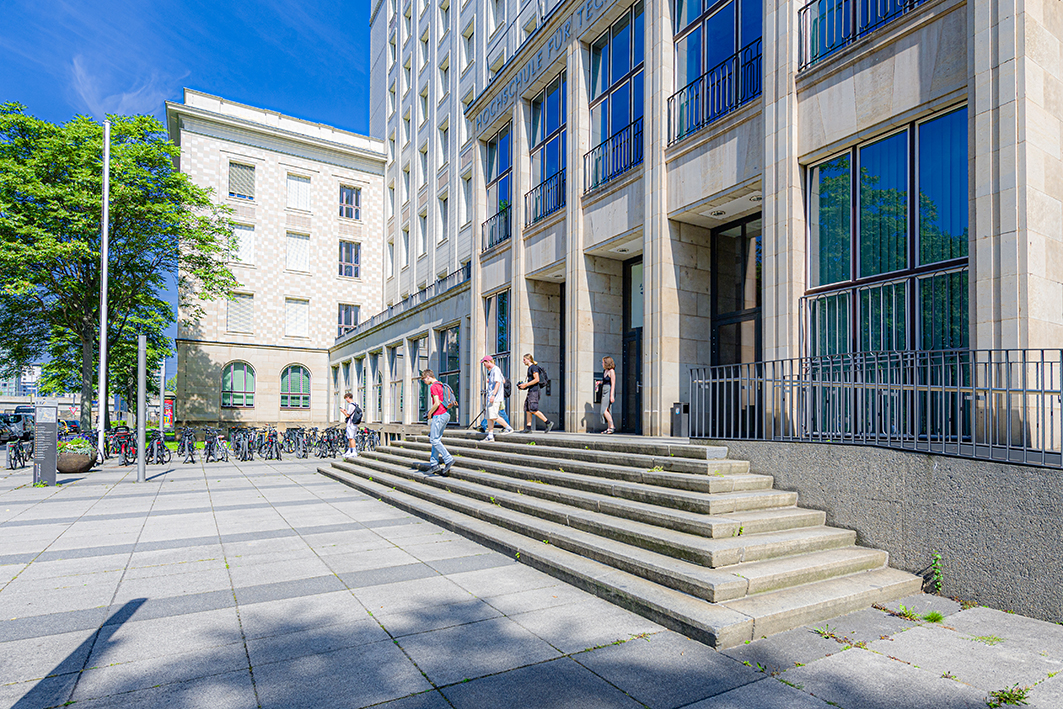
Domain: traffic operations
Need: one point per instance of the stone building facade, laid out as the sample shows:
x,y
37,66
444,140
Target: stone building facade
x,y
679,184
308,214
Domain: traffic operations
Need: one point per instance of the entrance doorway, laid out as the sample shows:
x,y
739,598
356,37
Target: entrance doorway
x,y
560,378
737,264
631,359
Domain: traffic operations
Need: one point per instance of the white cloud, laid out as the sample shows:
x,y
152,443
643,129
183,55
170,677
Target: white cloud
x,y
145,96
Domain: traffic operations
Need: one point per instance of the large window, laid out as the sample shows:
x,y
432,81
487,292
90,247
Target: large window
x,y
419,359
295,387
378,385
617,98
549,143
496,312
350,259
240,315
351,198
717,61
888,235
241,181
298,256
245,244
498,171
238,386
348,319
396,384
450,358
296,317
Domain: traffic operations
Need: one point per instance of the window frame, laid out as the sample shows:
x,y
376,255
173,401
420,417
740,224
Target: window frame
x,y
304,397
342,328
232,392
354,207
238,195
356,264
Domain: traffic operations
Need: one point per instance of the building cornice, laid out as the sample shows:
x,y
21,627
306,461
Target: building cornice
x,y
181,110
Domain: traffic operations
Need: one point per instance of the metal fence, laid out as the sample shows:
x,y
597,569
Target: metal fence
x,y
614,157
998,405
452,280
545,199
828,25
497,229
730,84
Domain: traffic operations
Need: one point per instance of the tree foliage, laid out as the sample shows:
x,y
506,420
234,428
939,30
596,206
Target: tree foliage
x,y
50,207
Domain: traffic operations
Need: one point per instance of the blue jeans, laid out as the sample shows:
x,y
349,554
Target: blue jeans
x,y
435,437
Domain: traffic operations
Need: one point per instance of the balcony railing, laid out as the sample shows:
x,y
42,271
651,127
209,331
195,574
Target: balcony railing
x,y
614,157
497,229
730,84
455,278
995,405
545,199
828,25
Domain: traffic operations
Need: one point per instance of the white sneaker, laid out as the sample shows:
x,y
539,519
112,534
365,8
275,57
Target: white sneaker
x,y
508,430
350,454
490,438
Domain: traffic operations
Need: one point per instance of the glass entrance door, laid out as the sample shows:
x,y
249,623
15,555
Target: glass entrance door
x,y
631,360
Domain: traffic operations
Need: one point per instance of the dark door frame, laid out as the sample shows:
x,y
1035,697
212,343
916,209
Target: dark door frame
x,y
719,319
631,386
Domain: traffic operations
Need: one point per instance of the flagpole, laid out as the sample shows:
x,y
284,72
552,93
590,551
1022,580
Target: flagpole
x,y
104,223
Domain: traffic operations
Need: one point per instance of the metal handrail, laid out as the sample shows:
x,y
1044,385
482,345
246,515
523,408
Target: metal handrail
x,y
730,84
497,229
451,280
545,198
613,157
826,26
996,405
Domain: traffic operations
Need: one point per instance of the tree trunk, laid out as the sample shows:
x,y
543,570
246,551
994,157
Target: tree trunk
x,y
86,381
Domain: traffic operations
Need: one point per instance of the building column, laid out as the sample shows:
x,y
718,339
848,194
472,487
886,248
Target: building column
x,y
783,211
521,337
661,355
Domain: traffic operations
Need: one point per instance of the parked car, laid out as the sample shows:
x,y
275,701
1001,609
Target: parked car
x,y
73,425
21,424
6,434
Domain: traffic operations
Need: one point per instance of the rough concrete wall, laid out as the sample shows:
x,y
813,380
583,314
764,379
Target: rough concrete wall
x,y
602,323
543,341
692,255
997,527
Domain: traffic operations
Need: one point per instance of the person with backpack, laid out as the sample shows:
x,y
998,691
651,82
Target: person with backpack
x,y
496,394
534,385
352,413
442,400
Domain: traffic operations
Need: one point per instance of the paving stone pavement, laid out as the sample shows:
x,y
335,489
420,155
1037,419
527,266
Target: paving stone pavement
x,y
268,585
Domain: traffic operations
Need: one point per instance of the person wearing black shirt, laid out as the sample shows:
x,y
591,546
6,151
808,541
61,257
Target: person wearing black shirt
x,y
533,385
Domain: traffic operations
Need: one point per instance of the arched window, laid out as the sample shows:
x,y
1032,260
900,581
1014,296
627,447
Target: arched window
x,y
295,387
238,386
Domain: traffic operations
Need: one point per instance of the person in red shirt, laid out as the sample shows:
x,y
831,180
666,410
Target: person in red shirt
x,y
438,418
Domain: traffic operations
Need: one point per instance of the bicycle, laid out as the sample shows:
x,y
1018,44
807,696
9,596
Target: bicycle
x,y
16,455
271,445
126,447
157,452
214,446
366,439
187,445
242,441
330,441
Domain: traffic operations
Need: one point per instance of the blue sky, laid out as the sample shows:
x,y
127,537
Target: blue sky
x,y
305,59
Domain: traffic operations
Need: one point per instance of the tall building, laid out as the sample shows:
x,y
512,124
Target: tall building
x,y
307,203
678,185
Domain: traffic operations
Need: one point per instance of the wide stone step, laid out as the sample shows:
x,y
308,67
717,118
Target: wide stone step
x,y
521,444
774,574
721,624
675,481
714,552
637,445
710,623
712,504
787,608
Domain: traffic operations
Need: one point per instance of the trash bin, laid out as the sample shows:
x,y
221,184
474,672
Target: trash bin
x,y
681,420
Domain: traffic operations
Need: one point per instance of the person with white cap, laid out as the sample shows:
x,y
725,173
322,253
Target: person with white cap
x,y
496,384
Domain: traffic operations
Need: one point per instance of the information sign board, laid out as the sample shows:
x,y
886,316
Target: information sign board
x,y
45,443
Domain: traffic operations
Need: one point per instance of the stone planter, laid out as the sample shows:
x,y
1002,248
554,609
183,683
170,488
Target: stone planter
x,y
72,463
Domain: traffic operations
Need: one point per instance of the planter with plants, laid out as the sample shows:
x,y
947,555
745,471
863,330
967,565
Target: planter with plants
x,y
76,456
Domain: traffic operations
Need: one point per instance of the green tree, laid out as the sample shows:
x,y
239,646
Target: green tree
x,y
50,204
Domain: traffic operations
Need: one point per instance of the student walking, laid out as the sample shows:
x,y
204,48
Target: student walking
x,y
608,392
533,385
438,418
352,413
496,384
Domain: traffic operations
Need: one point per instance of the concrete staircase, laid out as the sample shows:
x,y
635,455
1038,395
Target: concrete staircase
x,y
675,532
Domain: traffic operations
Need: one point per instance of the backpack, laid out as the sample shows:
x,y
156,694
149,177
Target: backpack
x,y
449,400
356,415
544,380
507,388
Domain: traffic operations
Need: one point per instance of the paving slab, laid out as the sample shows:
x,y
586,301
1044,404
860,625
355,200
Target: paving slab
x,y
1017,632
36,658
282,647
259,620
233,690
666,670
558,684
861,679
923,603
784,651
767,693
584,625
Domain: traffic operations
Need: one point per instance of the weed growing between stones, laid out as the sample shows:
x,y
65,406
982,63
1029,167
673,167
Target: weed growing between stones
x,y
987,639
657,469
933,617
908,613
1013,696
935,579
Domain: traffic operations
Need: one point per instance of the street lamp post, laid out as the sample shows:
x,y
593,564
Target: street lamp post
x,y
104,219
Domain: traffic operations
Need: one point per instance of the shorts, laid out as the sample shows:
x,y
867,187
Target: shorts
x,y
531,404
493,409
352,431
